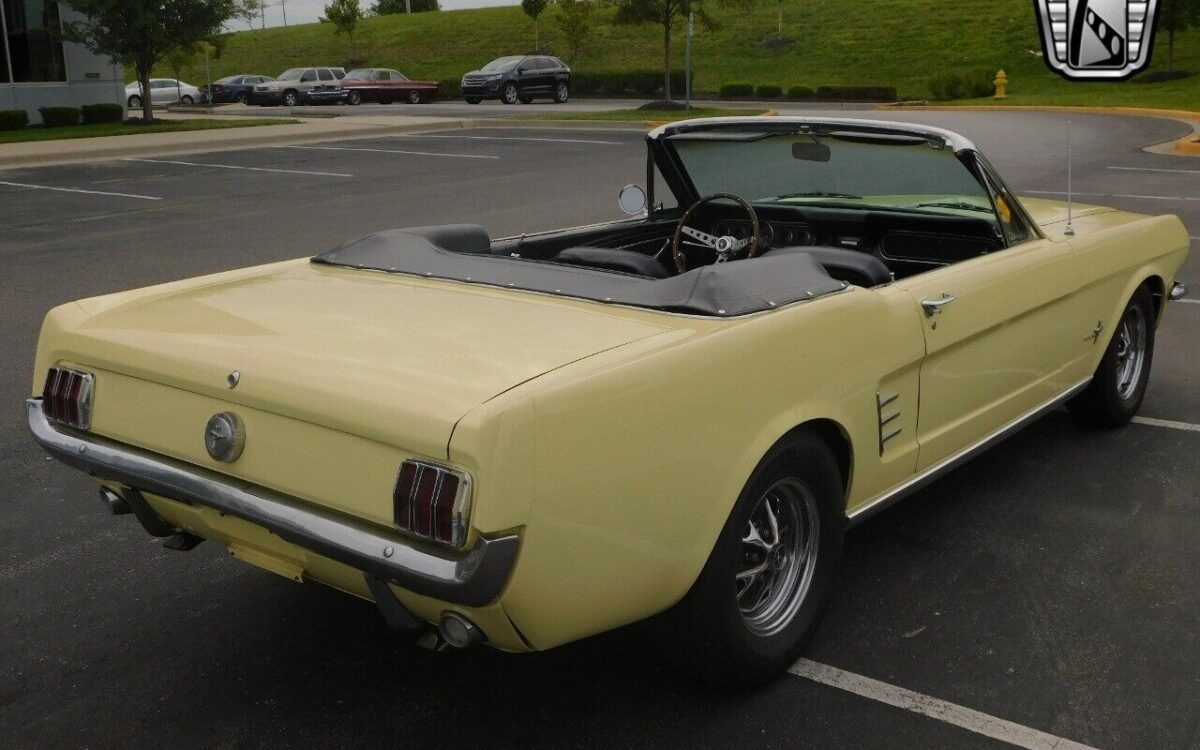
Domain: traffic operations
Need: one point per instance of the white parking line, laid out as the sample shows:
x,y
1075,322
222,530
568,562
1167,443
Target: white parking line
x,y
934,708
390,151
230,166
1112,195
1189,301
76,190
1185,426
516,138
1148,169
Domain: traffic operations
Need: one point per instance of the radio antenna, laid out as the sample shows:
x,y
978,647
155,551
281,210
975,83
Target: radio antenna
x,y
1070,231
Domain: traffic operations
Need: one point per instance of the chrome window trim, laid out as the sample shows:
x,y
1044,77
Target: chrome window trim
x,y
474,578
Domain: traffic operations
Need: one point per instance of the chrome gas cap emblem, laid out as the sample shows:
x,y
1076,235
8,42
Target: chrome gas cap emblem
x,y
224,437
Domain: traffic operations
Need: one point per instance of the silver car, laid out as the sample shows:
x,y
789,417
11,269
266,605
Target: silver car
x,y
162,91
301,86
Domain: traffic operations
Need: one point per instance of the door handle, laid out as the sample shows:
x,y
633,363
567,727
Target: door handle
x,y
933,306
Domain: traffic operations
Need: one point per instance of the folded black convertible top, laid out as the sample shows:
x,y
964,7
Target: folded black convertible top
x,y
723,290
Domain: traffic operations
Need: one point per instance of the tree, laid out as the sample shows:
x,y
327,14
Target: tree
x,y
664,13
1175,16
389,7
574,21
178,59
344,15
140,33
533,9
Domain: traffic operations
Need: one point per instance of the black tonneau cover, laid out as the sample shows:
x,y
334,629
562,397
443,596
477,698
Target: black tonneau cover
x,y
724,290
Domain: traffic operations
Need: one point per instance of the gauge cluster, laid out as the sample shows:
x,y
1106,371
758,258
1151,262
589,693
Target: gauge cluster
x,y
774,233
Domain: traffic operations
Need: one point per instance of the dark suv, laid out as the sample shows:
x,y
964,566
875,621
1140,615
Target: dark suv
x,y
520,78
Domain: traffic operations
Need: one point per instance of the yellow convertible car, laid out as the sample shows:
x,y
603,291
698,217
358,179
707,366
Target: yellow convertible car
x,y
526,441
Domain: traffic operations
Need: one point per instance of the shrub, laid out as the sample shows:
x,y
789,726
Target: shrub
x,y
13,119
800,92
737,91
59,117
768,92
94,114
857,93
635,82
975,84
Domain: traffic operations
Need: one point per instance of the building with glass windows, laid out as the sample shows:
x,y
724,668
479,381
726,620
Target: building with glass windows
x,y
38,69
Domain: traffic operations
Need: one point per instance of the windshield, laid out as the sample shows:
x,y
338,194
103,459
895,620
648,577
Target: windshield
x,y
845,170
230,79
501,64
360,75
291,74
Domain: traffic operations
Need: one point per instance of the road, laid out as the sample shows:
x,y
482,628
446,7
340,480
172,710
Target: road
x,y
1050,583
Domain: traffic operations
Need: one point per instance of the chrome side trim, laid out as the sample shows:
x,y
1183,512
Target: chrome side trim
x,y
475,578
1179,290
927,477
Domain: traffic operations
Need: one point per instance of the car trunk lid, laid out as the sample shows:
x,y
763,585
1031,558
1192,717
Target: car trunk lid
x,y
390,358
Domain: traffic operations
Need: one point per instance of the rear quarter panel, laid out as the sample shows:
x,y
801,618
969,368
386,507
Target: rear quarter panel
x,y
623,468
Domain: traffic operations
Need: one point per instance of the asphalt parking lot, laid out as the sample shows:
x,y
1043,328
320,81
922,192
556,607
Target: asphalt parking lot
x,y
1051,583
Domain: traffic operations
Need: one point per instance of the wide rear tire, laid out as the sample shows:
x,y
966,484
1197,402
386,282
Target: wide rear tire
x,y
1119,384
737,628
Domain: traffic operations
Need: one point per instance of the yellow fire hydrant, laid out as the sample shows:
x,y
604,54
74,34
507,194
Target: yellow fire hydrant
x,y
1001,83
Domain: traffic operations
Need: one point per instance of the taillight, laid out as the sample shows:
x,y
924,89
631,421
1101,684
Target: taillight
x,y
67,397
432,502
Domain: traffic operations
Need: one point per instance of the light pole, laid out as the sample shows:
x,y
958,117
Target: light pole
x,y
687,62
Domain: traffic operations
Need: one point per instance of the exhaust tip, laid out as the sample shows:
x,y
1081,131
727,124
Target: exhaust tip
x,y
459,632
114,502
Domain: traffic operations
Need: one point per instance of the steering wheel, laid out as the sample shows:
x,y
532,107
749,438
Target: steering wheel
x,y
726,247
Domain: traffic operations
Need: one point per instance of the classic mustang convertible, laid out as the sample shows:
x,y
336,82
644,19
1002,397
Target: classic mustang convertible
x,y
676,416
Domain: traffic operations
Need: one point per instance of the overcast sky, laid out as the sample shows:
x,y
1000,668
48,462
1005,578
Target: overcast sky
x,y
307,11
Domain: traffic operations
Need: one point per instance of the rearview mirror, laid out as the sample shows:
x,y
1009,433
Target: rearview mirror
x,y
810,151
632,200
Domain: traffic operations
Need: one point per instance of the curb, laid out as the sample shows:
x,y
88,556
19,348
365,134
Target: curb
x,y
1189,145
247,140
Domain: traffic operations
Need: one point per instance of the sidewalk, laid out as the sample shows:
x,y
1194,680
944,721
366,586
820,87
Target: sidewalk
x,y
42,153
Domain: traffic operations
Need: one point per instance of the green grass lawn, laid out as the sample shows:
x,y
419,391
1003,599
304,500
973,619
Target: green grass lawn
x,y
898,42
646,115
124,128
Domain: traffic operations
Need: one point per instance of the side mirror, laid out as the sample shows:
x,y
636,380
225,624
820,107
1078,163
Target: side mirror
x,y
632,200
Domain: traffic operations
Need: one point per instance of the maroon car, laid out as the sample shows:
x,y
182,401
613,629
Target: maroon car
x,y
385,86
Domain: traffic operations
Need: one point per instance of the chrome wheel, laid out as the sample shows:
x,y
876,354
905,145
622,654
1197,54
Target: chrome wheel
x,y
561,93
414,97
779,555
510,94
1131,352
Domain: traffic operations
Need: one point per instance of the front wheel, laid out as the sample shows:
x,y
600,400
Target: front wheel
x,y
135,102
509,94
354,98
761,595
1119,384
241,98
291,98
562,93
187,101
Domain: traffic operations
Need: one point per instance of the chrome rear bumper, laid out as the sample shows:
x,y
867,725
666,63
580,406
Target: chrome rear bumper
x,y
474,578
